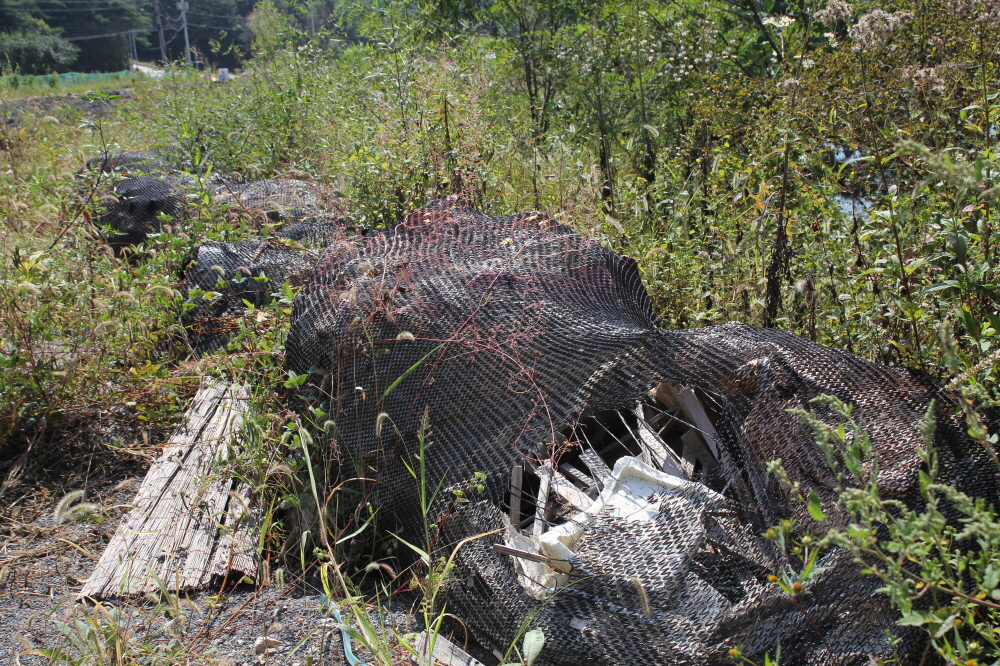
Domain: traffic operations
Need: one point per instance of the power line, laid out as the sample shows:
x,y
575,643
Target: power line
x,y
215,15
83,37
165,44
214,27
62,11
123,4
114,29
125,23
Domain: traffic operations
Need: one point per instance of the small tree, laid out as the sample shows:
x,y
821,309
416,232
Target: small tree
x,y
35,53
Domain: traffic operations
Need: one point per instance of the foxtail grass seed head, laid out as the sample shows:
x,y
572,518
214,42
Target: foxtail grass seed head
x,y
62,508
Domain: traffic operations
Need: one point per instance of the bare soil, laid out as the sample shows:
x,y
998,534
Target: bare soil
x,y
43,563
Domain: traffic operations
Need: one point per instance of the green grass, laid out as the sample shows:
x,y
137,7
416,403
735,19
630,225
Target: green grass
x,y
710,159
13,86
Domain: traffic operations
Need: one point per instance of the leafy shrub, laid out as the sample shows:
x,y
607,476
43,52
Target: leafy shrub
x,y
36,53
939,562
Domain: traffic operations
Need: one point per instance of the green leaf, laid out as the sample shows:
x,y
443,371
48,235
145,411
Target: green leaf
x,y
533,642
815,507
915,619
355,532
992,577
295,380
410,370
422,553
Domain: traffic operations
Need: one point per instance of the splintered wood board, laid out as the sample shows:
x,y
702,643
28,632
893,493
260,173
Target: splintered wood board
x,y
189,524
446,653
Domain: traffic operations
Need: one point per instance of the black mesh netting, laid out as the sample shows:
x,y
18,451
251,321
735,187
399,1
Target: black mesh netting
x,y
145,189
228,276
625,465
520,338
152,191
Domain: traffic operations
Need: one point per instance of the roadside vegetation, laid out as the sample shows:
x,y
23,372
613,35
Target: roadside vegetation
x,y
828,169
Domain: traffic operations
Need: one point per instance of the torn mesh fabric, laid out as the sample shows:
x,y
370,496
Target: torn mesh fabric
x,y
513,331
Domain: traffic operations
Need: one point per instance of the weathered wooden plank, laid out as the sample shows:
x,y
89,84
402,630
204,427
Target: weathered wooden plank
x,y
446,653
695,448
585,482
570,493
598,468
188,525
544,473
661,456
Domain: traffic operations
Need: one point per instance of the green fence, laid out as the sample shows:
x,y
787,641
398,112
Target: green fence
x,y
14,81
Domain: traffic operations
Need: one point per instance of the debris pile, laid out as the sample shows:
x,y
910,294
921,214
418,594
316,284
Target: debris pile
x,y
626,486
151,192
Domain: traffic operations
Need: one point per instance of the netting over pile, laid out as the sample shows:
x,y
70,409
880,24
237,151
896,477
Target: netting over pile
x,y
145,190
626,485
153,191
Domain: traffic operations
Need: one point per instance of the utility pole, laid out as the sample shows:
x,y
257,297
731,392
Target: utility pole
x,y
159,25
312,17
183,6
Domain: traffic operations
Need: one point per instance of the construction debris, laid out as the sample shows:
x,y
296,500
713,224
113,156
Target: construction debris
x,y
627,483
626,466
189,525
445,653
266,645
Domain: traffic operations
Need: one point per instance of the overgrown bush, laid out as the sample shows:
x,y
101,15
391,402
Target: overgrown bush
x,y
35,53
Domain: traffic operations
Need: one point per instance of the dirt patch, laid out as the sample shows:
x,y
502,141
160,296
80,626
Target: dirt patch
x,y
45,561
14,110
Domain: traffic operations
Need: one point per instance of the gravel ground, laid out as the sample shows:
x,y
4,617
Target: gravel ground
x,y
43,565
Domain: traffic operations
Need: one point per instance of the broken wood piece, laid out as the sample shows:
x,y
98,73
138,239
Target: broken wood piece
x,y
666,397
661,456
573,474
187,526
573,495
695,448
543,452
692,407
582,481
523,554
445,653
516,474
544,473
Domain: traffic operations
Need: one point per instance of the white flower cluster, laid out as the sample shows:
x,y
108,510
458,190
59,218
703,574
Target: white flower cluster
x,y
927,84
836,11
779,21
873,30
986,12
